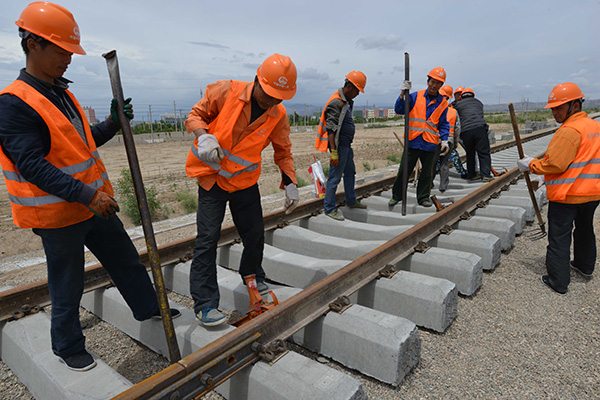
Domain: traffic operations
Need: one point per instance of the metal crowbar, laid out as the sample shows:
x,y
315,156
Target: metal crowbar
x,y
136,175
533,235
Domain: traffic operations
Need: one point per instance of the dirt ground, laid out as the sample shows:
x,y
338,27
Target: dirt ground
x,y
163,166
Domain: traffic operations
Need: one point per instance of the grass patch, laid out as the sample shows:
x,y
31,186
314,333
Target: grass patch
x,y
128,200
188,200
301,181
395,158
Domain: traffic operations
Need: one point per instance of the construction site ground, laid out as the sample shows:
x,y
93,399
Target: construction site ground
x,y
163,166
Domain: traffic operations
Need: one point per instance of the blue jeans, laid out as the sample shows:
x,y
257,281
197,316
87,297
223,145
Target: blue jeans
x,y
64,248
346,168
246,212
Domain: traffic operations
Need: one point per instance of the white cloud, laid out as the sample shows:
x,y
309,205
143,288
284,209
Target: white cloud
x,y
381,42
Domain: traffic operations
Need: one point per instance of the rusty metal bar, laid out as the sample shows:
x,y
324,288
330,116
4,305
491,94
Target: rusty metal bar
x,y
513,118
298,311
140,192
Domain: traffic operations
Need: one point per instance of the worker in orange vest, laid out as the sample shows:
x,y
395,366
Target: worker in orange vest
x,y
233,123
57,183
571,169
428,128
336,132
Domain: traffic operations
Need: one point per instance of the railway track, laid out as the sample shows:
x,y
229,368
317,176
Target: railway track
x,y
379,247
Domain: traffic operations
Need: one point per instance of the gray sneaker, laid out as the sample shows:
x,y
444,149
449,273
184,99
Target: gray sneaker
x,y
335,214
358,204
211,317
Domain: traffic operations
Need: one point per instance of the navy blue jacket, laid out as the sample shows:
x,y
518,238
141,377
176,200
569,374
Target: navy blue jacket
x,y
432,105
25,139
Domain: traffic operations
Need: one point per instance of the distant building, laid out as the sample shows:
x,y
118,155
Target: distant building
x,y
386,113
90,114
171,118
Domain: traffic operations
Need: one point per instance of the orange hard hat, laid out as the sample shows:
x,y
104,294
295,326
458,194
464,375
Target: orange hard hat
x,y
358,79
468,90
563,93
446,90
53,23
459,90
277,76
438,73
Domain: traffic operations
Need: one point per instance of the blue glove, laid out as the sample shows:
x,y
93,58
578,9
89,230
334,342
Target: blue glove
x,y
127,109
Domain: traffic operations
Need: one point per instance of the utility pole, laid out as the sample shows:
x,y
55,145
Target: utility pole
x,y
151,127
175,116
182,119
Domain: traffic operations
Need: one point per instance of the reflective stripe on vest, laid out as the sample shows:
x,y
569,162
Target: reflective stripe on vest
x,y
322,140
419,124
240,168
582,177
31,206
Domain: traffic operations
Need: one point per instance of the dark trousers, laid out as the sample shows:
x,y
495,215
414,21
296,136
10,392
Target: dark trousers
x,y
64,248
476,142
561,218
246,211
427,164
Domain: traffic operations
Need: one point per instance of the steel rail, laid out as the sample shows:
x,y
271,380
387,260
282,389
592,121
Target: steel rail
x,y
25,299
206,368
298,311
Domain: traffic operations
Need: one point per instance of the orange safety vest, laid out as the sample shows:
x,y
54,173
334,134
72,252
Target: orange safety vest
x,y
419,124
451,117
322,140
241,166
31,206
582,177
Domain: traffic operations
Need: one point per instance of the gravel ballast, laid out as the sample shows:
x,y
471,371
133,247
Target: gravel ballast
x,y
514,339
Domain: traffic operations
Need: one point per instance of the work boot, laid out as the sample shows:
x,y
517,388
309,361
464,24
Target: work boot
x,y
547,282
211,317
393,202
358,204
488,179
335,214
426,203
576,268
82,361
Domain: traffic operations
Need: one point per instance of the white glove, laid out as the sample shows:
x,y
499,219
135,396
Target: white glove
x,y
406,85
209,149
292,198
444,149
523,163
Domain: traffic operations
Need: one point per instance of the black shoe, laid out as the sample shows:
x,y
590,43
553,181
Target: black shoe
x,y
174,314
82,361
546,280
576,268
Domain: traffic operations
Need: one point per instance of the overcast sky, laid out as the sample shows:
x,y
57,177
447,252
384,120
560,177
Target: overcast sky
x,y
170,50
